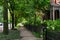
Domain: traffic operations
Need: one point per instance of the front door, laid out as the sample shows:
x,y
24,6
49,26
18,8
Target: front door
x,y
56,14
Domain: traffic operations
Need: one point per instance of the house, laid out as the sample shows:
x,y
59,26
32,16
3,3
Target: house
x,y
54,9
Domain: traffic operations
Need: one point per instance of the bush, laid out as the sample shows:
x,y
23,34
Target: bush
x,y
53,25
30,25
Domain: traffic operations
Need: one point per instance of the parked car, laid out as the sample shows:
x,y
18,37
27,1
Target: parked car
x,y
9,26
1,24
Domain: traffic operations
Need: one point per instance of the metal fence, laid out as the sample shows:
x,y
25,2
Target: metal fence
x,y
50,35
53,35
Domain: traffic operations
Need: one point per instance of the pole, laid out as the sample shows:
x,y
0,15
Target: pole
x,y
53,14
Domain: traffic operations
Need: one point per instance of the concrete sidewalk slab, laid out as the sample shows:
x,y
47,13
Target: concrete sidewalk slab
x,y
27,35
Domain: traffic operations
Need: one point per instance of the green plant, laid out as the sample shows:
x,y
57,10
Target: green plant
x,y
53,25
37,34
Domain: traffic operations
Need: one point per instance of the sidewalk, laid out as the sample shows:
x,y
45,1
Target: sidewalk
x,y
27,35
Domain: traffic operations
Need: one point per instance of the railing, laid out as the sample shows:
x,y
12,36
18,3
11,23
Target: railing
x,y
53,35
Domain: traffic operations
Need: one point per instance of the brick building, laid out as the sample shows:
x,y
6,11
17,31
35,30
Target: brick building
x,y
54,9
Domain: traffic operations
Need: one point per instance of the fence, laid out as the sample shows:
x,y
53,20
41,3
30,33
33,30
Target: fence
x,y
53,35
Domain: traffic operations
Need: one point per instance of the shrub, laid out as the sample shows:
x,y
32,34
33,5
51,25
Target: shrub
x,y
53,25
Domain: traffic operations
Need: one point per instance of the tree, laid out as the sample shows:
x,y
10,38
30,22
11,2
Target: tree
x,y
28,8
5,15
11,9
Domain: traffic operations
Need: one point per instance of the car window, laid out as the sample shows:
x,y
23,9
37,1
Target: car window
x,y
0,24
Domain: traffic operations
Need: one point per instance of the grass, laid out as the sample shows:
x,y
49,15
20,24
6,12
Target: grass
x,y
37,34
13,35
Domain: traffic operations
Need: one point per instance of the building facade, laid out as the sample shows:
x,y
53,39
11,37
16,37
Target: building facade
x,y
54,9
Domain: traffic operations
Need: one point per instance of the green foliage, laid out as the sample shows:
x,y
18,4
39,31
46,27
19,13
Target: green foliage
x,y
53,25
27,8
1,2
31,21
38,21
1,13
37,34
13,34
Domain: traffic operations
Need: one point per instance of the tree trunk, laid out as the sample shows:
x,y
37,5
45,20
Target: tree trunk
x,y
16,21
13,23
5,16
35,19
12,12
